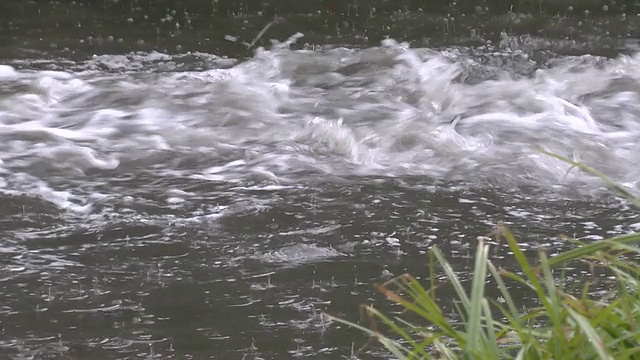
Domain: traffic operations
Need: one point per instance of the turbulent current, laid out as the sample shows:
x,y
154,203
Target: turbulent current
x,y
192,206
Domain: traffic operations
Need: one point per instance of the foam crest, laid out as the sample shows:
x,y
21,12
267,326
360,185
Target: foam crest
x,y
285,115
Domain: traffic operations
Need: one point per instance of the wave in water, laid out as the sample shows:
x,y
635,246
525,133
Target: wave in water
x,y
118,126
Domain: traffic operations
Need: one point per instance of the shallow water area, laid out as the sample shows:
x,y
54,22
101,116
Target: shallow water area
x,y
193,205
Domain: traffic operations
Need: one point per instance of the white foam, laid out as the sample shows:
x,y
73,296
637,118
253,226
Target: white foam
x,y
7,72
287,116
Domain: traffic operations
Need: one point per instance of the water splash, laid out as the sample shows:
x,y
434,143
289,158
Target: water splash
x,y
291,116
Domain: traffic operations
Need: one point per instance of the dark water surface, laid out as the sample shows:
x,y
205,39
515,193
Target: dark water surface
x,y
167,192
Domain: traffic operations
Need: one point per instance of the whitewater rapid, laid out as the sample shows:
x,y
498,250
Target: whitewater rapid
x,y
76,134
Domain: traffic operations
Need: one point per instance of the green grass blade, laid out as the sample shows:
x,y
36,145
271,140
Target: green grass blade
x,y
474,323
618,188
533,281
592,248
421,304
588,330
393,346
444,351
513,315
491,340
398,330
553,306
453,278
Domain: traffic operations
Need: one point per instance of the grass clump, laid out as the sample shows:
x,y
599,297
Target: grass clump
x,y
562,322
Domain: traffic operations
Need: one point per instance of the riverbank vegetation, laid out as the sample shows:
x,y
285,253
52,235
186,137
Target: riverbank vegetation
x,y
595,318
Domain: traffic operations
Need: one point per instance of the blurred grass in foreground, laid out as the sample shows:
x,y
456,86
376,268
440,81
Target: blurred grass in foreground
x,y
563,326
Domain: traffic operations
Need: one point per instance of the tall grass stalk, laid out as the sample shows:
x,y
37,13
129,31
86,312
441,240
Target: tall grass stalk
x,y
559,323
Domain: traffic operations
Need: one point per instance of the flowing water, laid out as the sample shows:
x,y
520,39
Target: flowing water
x,y
193,204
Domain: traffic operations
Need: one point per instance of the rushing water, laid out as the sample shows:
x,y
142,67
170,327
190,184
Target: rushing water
x,y
191,205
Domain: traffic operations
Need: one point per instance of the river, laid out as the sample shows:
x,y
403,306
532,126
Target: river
x,y
176,183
